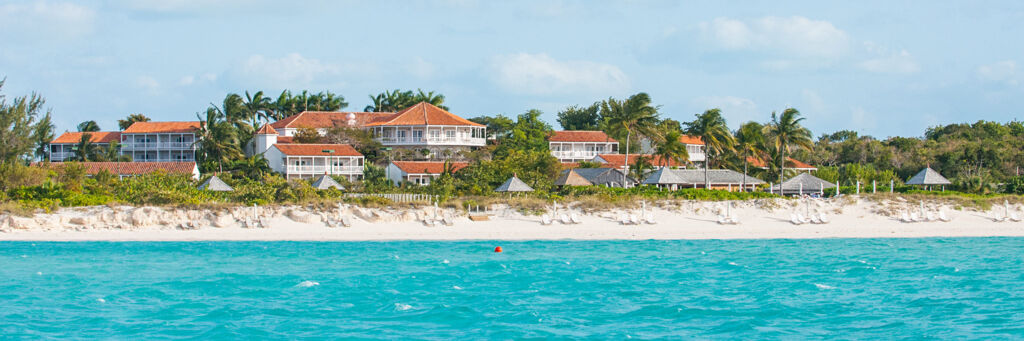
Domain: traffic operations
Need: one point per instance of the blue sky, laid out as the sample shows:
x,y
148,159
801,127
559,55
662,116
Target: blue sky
x,y
882,68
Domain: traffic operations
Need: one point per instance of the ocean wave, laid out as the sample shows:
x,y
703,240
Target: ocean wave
x,y
307,284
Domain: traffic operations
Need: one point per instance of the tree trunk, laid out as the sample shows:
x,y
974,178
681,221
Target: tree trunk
x,y
625,165
782,166
744,187
707,164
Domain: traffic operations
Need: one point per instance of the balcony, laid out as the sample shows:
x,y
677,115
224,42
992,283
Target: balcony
x,y
324,169
156,145
61,156
429,141
577,154
697,157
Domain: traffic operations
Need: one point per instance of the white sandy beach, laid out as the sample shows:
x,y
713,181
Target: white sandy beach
x,y
686,220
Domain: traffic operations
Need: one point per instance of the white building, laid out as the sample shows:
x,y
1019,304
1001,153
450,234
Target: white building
x,y
160,141
64,146
422,126
694,147
579,145
132,169
419,172
298,161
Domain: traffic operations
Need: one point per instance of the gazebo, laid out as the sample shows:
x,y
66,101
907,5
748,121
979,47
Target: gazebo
x,y
928,177
514,185
571,178
215,184
804,183
325,182
664,177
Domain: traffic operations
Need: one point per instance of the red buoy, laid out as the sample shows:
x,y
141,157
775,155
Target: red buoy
x,y
497,249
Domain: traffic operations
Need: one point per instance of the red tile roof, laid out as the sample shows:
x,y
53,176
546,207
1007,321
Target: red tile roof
x,y
296,149
570,165
424,113
266,130
328,119
285,139
790,163
96,137
162,127
580,136
687,139
128,168
426,167
618,160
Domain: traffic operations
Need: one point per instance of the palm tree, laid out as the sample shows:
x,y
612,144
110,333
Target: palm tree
x,y
127,121
785,133
749,144
42,135
216,138
258,107
112,153
88,126
711,128
85,150
253,167
635,115
670,148
430,97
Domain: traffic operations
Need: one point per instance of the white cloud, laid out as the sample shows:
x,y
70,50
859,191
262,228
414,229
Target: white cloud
x,y
786,35
421,68
59,19
1001,72
540,74
737,109
191,79
147,83
291,70
896,62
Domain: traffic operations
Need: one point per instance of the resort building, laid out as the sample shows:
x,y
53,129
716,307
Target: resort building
x,y
299,161
608,177
791,164
130,169
422,126
65,146
618,161
694,147
580,145
419,172
719,179
802,184
160,141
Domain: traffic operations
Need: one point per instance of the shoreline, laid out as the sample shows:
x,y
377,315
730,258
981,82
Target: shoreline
x,y
693,220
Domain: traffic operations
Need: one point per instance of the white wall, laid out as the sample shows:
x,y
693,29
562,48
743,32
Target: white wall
x,y
275,159
395,174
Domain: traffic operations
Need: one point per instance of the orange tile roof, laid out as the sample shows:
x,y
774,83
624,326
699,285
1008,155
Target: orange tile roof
x,y
162,127
570,165
298,149
424,113
128,168
426,167
285,139
580,136
687,139
328,119
96,137
266,130
618,160
790,163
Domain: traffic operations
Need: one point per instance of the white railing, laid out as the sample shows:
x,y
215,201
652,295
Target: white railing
x,y
61,156
697,156
321,169
397,197
163,160
466,141
563,154
155,145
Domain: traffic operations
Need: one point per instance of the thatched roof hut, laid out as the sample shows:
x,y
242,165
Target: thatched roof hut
x,y
928,177
215,184
569,177
804,183
514,185
325,182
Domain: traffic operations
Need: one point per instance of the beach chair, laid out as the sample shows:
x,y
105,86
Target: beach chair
x,y
448,220
904,217
930,216
813,218
564,218
649,219
545,220
943,217
634,219
794,219
346,221
1014,217
823,219
243,224
801,219
576,219
722,220
263,223
914,217
624,219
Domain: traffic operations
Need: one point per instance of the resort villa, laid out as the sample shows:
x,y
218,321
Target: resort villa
x,y
65,146
160,141
419,172
299,161
791,164
694,147
580,145
129,169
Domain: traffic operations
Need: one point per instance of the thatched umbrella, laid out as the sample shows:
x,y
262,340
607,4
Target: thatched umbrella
x,y
571,178
928,177
215,184
514,185
802,183
325,182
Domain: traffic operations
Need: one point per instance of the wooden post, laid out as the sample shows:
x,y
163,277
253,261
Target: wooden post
x,y
892,184
858,187
872,186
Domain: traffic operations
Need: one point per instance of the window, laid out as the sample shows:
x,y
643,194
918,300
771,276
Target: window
x,y
450,134
401,134
417,134
435,133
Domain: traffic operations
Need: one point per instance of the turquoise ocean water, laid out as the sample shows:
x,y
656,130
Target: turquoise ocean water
x,y
847,288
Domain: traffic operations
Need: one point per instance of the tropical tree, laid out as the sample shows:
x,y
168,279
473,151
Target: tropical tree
x,y
217,140
288,104
88,126
499,127
670,148
42,135
112,153
530,133
396,100
749,145
711,128
21,128
786,134
635,115
253,167
581,118
85,149
127,121
258,107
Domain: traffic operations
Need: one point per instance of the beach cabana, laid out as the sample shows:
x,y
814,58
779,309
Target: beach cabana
x,y
609,177
215,184
804,183
664,178
325,182
569,177
928,177
513,184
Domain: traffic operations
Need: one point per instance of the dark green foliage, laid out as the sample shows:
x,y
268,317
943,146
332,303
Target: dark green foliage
x,y
396,100
529,133
580,118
